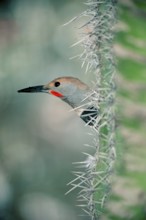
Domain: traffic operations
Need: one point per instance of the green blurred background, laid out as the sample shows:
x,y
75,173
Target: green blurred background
x,y
39,136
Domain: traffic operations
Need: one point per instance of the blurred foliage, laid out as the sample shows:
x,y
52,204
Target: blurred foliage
x,y
40,137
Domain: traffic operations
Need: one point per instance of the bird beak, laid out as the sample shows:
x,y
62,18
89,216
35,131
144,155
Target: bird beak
x,y
42,88
34,89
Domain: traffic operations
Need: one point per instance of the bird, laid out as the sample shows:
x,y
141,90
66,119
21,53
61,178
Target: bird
x,y
72,91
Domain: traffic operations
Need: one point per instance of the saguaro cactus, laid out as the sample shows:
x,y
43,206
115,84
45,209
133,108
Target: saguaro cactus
x,y
94,179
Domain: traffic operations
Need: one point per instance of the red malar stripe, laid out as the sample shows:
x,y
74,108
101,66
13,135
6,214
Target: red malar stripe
x,y
56,93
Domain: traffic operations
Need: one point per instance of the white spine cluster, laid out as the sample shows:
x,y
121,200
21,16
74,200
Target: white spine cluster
x,y
94,179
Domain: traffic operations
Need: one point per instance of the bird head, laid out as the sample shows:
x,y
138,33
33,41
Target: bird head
x,y
69,89
74,92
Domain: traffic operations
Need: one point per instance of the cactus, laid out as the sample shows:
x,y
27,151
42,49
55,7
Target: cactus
x,y
95,175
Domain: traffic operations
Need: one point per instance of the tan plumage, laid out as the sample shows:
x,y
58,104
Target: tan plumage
x,y
73,91
67,79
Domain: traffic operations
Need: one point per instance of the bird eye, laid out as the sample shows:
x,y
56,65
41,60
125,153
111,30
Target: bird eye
x,y
56,84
